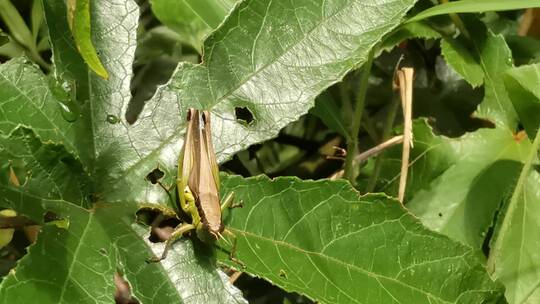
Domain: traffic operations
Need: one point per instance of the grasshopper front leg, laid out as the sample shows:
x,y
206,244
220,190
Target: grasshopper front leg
x,y
228,202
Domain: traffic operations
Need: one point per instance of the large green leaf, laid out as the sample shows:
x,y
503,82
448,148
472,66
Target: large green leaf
x,y
324,240
514,257
76,264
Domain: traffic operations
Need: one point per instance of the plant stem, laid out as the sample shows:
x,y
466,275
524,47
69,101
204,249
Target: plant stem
x,y
390,117
352,144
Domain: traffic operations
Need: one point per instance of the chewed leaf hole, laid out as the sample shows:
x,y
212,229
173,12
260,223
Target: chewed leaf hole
x,y
162,224
122,294
155,176
50,216
243,115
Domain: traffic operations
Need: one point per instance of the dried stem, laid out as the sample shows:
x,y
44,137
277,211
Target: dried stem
x,y
405,80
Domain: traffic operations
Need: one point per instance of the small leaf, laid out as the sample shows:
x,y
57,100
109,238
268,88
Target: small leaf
x,y
192,19
458,56
408,31
16,25
82,33
474,6
327,110
36,17
524,91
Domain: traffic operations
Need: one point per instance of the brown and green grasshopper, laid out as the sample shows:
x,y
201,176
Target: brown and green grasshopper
x,y
198,183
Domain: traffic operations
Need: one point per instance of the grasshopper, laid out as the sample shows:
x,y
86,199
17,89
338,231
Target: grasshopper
x,y
198,184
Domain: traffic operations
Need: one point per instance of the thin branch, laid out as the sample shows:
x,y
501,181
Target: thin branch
x,y
378,149
371,152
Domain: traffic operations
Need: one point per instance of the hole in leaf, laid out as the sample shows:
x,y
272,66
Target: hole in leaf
x,y
93,197
155,176
243,115
50,216
17,174
161,221
122,294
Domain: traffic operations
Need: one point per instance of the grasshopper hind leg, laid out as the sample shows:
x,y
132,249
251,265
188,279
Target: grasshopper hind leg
x,y
232,253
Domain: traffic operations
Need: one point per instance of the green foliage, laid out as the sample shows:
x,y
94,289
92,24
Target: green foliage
x,y
338,247
75,162
79,23
472,6
193,20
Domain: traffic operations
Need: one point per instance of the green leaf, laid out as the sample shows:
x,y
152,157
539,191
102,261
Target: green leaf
x,y
28,100
16,25
457,181
80,25
474,6
77,264
327,110
322,239
192,19
3,38
522,85
408,31
36,18
495,58
515,255
458,56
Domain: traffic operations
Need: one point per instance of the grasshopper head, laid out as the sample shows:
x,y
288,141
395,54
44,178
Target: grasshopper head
x,y
208,235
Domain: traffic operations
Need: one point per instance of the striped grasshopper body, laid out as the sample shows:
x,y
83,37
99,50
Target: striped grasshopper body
x,y
198,183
